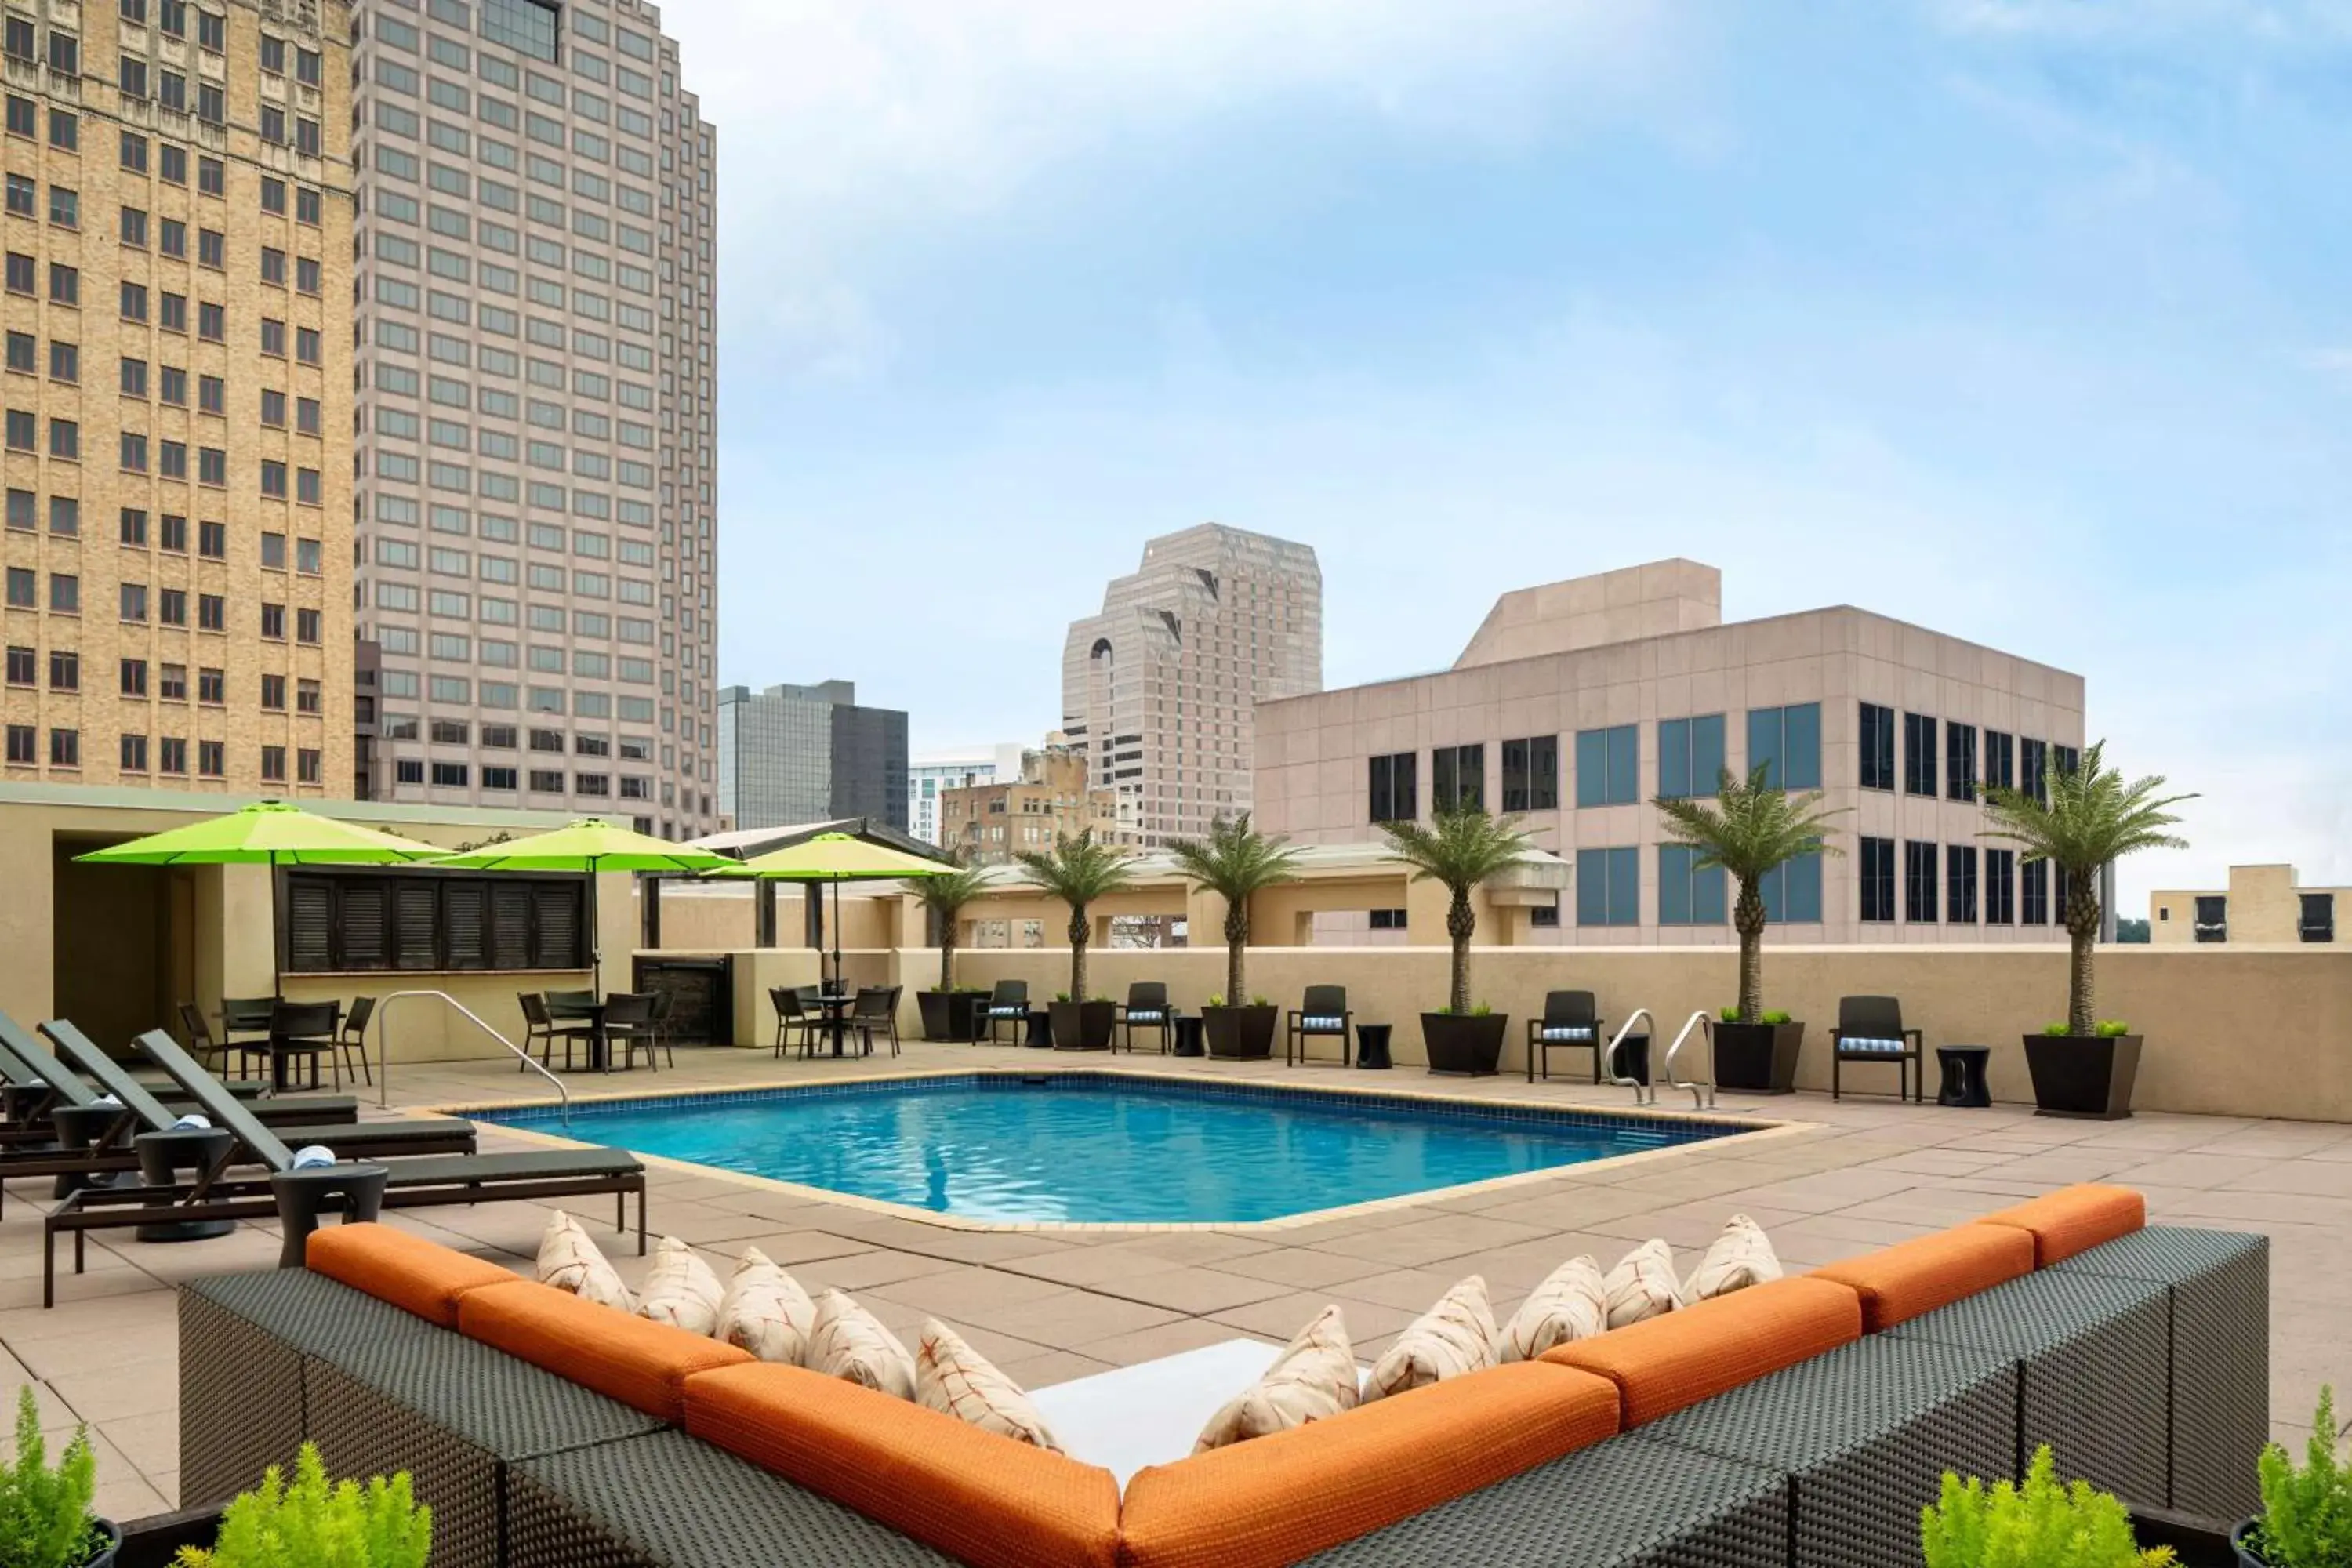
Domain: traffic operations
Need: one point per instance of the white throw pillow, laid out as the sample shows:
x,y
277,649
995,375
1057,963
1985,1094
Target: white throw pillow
x,y
848,1342
569,1260
1642,1286
956,1379
1313,1378
765,1311
680,1289
1742,1256
1455,1336
1572,1303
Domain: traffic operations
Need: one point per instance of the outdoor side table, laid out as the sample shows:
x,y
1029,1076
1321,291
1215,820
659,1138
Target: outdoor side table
x,y
1188,1036
1372,1045
303,1194
1041,1029
78,1127
161,1154
1964,1076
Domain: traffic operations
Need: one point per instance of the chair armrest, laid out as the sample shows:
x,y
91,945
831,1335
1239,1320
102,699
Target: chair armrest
x,y
1346,1022
1837,1036
1917,1037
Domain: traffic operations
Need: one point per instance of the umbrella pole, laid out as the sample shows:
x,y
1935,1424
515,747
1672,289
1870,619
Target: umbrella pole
x,y
595,938
838,983
276,952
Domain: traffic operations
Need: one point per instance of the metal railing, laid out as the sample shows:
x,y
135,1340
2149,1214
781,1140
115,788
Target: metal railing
x,y
1643,1094
383,1048
1699,1100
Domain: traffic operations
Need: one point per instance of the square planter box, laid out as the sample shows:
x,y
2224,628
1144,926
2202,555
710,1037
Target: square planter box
x,y
1757,1058
1082,1026
947,1015
1469,1044
1245,1033
2088,1078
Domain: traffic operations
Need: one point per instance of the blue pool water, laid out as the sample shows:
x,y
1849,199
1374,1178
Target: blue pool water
x,y
1079,1149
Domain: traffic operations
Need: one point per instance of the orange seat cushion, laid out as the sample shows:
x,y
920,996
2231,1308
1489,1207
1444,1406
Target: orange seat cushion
x,y
1900,1282
1664,1365
640,1363
1289,1495
2075,1219
981,1498
410,1272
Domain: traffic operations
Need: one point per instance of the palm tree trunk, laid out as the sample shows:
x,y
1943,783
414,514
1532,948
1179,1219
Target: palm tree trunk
x,y
1077,952
1236,947
946,954
1460,924
1747,918
2081,916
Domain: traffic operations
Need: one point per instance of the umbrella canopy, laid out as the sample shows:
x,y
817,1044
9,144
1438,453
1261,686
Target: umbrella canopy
x,y
838,857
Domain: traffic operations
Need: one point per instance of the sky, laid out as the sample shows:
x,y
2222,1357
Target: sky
x,y
2022,319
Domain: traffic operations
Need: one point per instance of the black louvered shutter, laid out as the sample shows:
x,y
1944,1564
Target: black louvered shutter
x,y
362,919
510,932
465,923
557,907
416,919
310,925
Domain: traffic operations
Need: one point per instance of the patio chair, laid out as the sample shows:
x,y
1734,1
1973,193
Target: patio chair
x,y
423,1181
1570,1023
664,1002
1146,1007
629,1024
350,1044
244,1027
875,1012
1870,1029
301,1031
539,1024
790,1016
1322,1015
200,1037
1008,1003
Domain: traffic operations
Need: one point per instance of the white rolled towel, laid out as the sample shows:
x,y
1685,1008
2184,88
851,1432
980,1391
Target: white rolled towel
x,y
193,1123
311,1156
108,1101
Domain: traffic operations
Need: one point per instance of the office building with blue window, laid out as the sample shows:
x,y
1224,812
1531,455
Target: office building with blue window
x,y
1578,703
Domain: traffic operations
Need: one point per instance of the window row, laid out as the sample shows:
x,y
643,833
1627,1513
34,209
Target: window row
x,y
1978,886
461,691
401,381
507,738
171,757
2002,761
339,921
170,17
141,604
170,162
1608,889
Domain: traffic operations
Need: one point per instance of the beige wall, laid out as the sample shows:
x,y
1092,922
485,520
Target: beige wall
x,y
2265,905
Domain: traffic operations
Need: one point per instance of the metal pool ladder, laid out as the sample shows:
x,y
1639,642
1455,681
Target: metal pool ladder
x,y
384,1049
1702,1093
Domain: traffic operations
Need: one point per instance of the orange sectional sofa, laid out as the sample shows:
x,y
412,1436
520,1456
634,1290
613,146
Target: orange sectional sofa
x,y
989,1500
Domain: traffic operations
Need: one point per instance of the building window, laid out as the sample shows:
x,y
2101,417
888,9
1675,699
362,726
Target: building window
x,y
1999,760
2034,893
1786,742
1544,917
526,26
65,748
212,759
22,664
1609,766
2033,770
1792,891
1919,754
1387,920
450,775
22,746
1609,887
1688,896
1457,778
1960,884
1919,883
432,920
1999,887
2213,919
1876,878
1690,756
2317,921
1960,761
1531,773
1394,791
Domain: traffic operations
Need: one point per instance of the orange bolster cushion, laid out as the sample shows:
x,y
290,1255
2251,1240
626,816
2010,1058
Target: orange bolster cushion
x,y
1286,1496
1899,1283
419,1275
1665,1364
980,1498
2075,1219
641,1364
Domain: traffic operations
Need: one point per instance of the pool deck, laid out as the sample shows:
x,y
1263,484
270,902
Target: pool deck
x,y
1052,1304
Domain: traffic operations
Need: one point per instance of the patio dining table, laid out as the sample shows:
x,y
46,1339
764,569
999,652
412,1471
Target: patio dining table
x,y
836,1006
587,1007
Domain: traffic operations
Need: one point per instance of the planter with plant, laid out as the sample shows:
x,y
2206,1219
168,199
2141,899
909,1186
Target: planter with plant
x,y
1079,872
45,1514
1236,862
318,1523
1750,830
1463,848
2090,819
2306,1518
2041,1524
948,1011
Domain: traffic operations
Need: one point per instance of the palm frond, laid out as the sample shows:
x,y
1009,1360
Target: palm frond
x,y
1461,849
2091,818
1235,861
946,895
1076,870
1751,826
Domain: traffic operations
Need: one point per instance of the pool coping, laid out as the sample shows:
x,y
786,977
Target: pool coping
x,y
1749,1132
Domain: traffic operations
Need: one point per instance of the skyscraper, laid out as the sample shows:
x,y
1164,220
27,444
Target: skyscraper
x,y
537,492
809,753
177,230
1162,685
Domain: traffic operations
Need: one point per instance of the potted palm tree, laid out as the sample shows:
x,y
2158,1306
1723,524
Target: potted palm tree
x,y
946,1012
2085,1067
1461,849
1079,871
1750,830
1235,862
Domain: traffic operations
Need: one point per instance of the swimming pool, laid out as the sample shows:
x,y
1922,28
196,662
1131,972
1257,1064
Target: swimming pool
x,y
1080,1148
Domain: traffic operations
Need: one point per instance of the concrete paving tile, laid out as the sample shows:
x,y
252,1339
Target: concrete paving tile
x,y
1301,1269
1283,1316
1172,1339
1190,1290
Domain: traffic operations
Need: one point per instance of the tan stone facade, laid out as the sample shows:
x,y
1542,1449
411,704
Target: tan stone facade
x,y
2261,905
990,823
178,390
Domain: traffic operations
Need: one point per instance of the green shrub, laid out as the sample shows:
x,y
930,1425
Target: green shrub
x,y
2306,1518
2041,1524
1775,1017
1061,995
1261,1001
316,1523
2054,1031
45,1515
1772,1015
1216,999
2113,1028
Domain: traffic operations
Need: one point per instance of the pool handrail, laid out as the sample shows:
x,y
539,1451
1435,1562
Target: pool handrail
x,y
382,1023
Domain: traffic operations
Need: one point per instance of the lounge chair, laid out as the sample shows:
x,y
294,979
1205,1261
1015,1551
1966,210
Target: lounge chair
x,y
1870,1029
1570,1021
1007,1004
1146,1007
1322,1013
17,1066
425,1181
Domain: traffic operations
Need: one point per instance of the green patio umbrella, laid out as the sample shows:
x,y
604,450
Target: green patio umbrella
x,y
591,845
266,833
839,858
